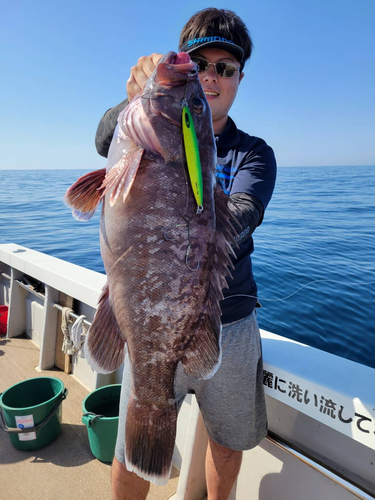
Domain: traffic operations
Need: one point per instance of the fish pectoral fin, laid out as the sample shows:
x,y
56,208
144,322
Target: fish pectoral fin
x,y
105,343
203,354
85,194
121,176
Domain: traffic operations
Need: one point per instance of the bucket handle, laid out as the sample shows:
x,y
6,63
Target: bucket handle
x,y
91,417
16,430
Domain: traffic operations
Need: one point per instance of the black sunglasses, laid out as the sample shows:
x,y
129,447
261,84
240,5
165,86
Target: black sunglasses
x,y
223,69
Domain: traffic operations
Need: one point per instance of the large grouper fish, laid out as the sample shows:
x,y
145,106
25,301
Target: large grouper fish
x,y
166,259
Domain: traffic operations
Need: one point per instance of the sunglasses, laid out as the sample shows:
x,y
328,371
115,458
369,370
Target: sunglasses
x,y
223,69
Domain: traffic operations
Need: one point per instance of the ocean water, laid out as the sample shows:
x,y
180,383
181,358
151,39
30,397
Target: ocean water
x,y
319,226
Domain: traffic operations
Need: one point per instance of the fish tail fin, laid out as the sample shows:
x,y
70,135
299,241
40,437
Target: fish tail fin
x,y
105,344
150,436
85,194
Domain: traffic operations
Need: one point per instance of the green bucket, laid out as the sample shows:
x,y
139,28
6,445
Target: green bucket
x,y
100,415
31,412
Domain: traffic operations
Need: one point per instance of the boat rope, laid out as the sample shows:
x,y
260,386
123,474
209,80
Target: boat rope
x,y
67,346
78,334
74,333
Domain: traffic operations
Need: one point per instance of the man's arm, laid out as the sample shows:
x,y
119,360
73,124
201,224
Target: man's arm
x,y
252,188
248,211
107,127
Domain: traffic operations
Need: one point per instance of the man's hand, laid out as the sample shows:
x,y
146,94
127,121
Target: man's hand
x,y
141,73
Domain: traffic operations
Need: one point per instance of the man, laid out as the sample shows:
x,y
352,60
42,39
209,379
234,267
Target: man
x,y
232,401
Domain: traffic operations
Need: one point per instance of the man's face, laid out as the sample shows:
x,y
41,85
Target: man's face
x,y
220,92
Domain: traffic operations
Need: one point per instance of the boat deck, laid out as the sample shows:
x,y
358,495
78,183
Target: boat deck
x,y
66,468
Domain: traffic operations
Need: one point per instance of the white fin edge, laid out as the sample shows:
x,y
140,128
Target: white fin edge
x,y
158,480
82,216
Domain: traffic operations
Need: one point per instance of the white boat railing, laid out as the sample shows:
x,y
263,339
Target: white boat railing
x,y
343,483
317,403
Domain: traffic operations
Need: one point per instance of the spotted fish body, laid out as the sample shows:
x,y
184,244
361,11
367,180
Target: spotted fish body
x,y
166,264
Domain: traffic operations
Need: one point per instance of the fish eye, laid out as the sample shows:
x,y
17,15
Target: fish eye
x,y
198,105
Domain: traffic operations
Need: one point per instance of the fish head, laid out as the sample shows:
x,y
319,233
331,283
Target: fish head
x,y
173,85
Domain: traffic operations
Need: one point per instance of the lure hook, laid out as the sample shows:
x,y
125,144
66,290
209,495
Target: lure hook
x,y
187,260
165,232
166,229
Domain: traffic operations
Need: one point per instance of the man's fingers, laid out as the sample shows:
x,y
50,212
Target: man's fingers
x,y
136,82
132,88
146,65
141,73
156,58
140,76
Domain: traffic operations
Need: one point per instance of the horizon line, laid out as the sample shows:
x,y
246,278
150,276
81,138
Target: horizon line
x,y
278,166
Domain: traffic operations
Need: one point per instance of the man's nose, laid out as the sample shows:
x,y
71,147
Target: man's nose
x,y
210,74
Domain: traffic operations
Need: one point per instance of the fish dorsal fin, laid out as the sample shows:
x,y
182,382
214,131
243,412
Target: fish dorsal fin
x,y
133,135
135,125
121,176
203,354
124,158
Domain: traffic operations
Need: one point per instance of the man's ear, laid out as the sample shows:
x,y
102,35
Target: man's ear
x,y
241,76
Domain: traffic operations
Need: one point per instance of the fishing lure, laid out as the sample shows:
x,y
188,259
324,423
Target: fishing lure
x,y
192,155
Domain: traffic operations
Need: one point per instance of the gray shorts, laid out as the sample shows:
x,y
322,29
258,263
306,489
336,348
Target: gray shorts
x,y
232,401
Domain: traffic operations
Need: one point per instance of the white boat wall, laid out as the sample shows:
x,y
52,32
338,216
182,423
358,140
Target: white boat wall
x,y
321,408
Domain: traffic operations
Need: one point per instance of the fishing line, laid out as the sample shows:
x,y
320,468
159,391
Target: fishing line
x,y
299,289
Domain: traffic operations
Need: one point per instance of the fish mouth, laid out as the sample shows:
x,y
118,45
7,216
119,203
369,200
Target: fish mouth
x,y
176,70
184,63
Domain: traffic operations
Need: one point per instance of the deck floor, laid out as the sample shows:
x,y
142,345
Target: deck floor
x,y
65,469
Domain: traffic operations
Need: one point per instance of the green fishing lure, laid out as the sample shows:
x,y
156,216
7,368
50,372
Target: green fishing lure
x,y
192,156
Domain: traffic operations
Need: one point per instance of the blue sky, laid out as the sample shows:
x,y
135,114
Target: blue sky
x,y
309,88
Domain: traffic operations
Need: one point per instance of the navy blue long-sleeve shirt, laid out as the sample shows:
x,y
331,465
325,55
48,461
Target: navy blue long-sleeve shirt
x,y
246,170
